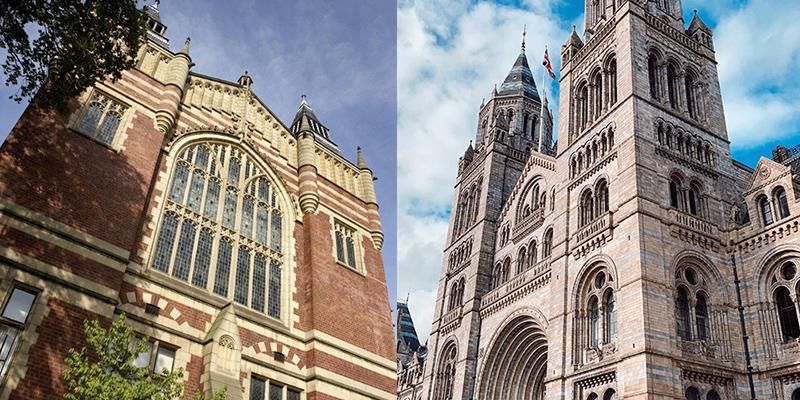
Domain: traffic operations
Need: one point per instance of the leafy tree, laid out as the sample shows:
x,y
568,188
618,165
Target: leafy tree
x,y
106,371
67,45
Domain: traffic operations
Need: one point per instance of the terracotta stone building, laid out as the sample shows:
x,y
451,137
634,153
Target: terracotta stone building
x,y
247,250
632,259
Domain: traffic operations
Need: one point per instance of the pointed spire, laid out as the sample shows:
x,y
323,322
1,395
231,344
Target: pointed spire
x,y
698,24
574,39
360,159
306,120
520,79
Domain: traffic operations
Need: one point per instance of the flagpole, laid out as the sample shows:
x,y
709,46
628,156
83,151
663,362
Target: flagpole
x,y
541,110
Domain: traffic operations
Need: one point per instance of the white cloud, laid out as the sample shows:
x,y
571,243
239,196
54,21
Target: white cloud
x,y
758,54
448,62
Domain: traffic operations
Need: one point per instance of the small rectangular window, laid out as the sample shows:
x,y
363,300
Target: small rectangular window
x,y
257,388
19,305
165,360
275,391
142,360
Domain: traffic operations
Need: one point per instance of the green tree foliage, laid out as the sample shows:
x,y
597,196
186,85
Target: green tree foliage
x,y
106,370
67,45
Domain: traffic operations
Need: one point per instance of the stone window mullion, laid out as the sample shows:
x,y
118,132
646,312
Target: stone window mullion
x,y
693,315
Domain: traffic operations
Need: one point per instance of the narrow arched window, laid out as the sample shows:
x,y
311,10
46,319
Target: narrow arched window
x,y
521,260
787,314
601,197
694,200
610,395
766,210
586,208
712,395
610,310
506,269
228,250
597,94
547,243
691,95
612,81
532,254
675,193
701,317
652,72
594,321
672,86
783,204
682,314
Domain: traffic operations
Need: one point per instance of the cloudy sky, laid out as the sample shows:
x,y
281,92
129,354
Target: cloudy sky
x,y
341,54
452,52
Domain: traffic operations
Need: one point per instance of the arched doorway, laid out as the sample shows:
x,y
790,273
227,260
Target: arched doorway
x,y
517,362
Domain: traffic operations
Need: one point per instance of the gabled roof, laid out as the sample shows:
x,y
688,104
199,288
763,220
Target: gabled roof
x,y
406,333
766,172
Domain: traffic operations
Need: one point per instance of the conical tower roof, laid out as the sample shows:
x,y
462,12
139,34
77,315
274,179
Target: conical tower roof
x,y
698,24
306,120
519,81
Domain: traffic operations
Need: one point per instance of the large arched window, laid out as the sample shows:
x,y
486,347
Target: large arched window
x,y
222,227
796,394
783,281
610,395
779,194
692,304
765,209
692,103
446,375
596,311
713,395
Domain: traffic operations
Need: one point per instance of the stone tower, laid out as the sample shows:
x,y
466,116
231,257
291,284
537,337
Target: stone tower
x,y
513,124
621,262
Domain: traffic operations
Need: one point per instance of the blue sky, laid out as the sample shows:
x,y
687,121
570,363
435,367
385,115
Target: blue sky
x,y
452,52
341,54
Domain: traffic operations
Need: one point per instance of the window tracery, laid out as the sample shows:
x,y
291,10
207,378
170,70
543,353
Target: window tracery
x,y
785,290
446,374
692,304
101,118
196,242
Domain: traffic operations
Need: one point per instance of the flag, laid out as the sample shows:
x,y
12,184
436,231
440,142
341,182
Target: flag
x,y
547,65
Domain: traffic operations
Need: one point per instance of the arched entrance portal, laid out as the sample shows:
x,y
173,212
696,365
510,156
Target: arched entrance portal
x,y
516,363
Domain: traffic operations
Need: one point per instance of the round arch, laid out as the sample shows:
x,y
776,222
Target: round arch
x,y
516,362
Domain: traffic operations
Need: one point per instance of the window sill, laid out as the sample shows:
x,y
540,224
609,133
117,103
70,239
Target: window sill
x,y
355,269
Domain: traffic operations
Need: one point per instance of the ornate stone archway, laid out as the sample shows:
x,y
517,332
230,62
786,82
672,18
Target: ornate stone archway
x,y
516,363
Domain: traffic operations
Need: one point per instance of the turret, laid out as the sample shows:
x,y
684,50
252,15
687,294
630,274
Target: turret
x,y
303,127
700,32
571,47
366,181
175,84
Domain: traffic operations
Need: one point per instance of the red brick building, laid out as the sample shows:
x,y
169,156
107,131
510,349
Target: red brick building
x,y
248,251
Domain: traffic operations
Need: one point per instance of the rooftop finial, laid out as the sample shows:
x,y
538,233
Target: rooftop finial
x,y
524,32
156,3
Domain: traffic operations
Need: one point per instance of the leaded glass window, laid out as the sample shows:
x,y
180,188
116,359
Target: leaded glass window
x,y
101,118
227,251
275,290
345,241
